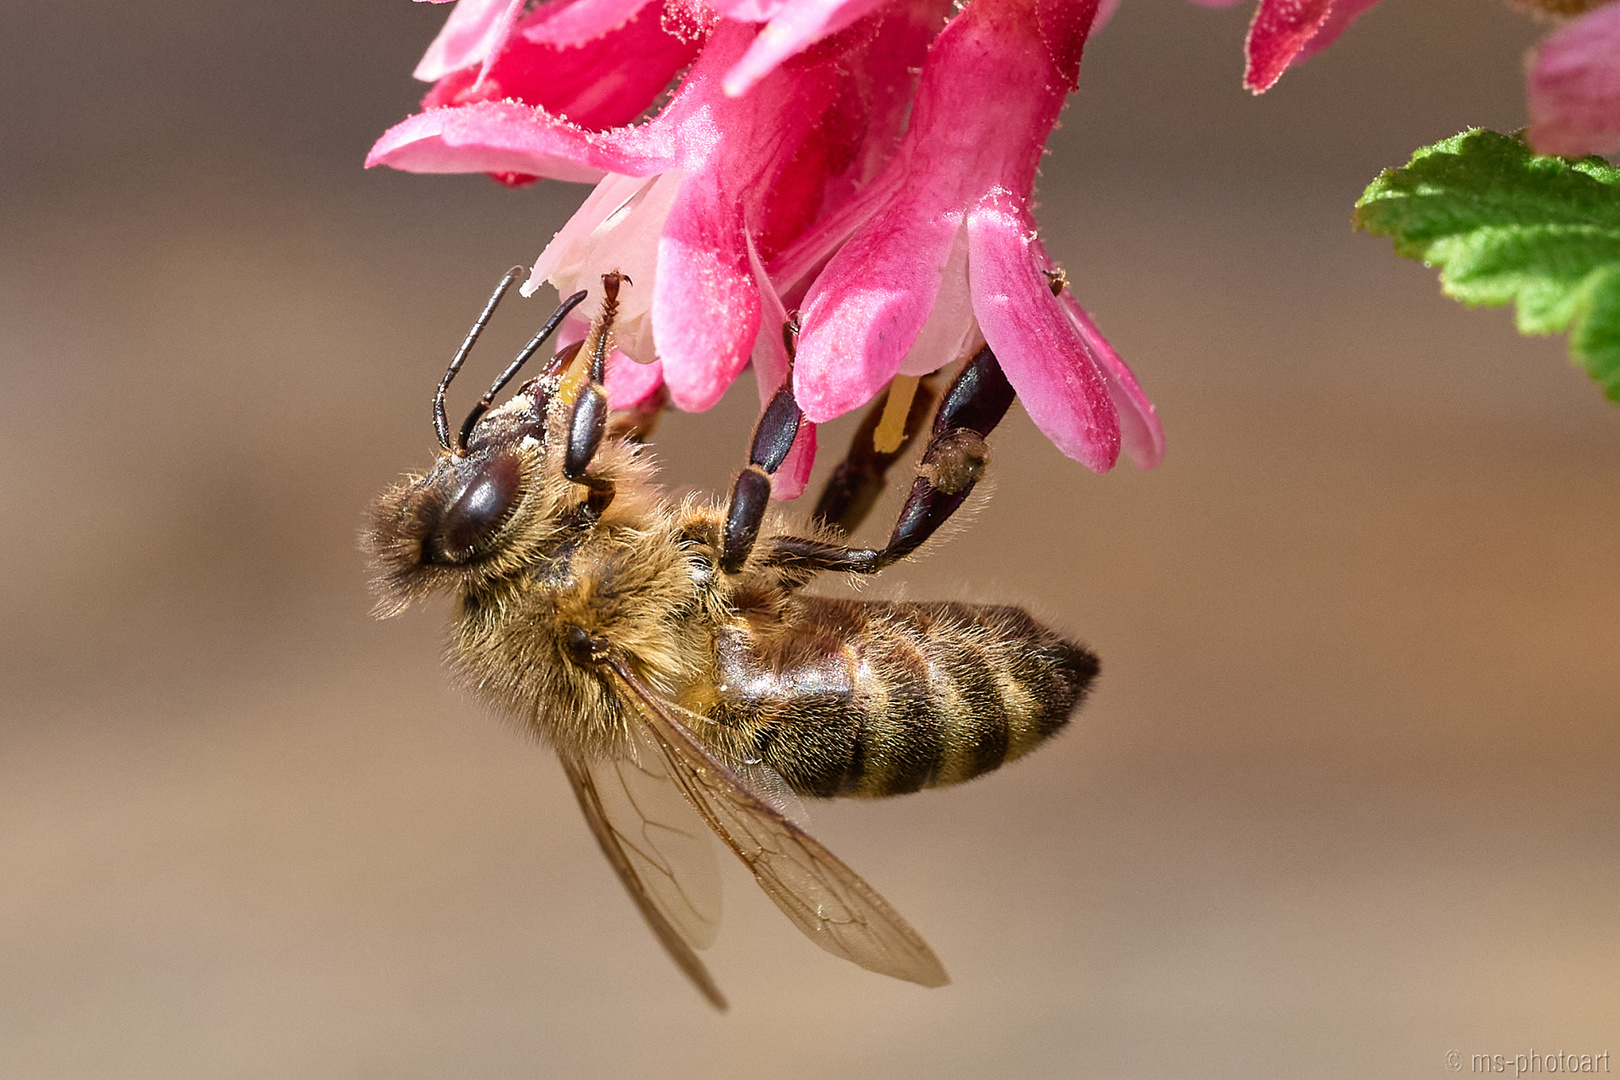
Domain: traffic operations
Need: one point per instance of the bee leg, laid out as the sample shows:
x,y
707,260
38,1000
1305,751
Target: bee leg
x,y
951,465
956,454
858,480
774,433
586,425
587,421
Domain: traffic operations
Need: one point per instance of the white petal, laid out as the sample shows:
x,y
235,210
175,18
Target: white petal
x,y
626,241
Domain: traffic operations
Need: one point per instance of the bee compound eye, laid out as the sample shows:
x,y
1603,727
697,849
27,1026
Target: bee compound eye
x,y
479,510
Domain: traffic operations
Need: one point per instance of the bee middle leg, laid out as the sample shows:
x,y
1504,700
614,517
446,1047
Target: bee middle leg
x,y
951,465
774,433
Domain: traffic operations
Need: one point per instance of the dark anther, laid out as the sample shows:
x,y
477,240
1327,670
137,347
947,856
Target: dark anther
x,y
790,335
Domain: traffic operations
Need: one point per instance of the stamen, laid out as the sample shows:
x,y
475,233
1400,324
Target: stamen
x,y
891,430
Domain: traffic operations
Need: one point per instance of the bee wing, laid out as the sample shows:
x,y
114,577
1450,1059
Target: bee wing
x,y
660,850
825,899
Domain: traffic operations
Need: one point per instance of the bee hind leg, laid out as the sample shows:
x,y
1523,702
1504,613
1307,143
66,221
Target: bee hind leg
x,y
951,465
858,480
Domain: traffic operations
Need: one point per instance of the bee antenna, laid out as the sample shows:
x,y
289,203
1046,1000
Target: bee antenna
x,y
441,426
529,350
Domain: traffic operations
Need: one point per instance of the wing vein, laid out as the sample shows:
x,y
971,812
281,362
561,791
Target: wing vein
x,y
824,898
610,840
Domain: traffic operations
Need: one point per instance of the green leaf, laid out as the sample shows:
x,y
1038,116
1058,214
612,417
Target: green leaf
x,y
1505,224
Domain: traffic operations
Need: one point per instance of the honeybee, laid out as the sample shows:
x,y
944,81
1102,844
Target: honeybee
x,y
669,653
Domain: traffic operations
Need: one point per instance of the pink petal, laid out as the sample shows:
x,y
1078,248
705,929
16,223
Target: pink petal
x,y
1574,87
749,11
1140,429
590,85
893,63
1105,13
464,40
1139,425
1279,31
500,31
864,312
1044,357
950,328
1064,26
771,371
804,258
581,21
629,383
505,137
705,308
991,90
1339,19
754,166
625,241
770,356
795,25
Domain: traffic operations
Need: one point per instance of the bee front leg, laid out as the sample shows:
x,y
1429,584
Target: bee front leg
x,y
587,420
585,427
951,465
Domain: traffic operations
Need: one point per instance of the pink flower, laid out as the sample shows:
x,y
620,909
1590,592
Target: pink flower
x,y
681,198
586,83
473,33
1285,31
1574,87
490,51
898,211
948,251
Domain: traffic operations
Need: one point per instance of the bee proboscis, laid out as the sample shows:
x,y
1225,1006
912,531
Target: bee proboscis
x,y
669,653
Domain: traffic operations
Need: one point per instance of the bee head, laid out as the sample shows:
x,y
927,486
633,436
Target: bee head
x,y
450,526
458,524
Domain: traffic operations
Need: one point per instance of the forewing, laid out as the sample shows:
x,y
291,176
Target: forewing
x,y
660,850
772,787
824,898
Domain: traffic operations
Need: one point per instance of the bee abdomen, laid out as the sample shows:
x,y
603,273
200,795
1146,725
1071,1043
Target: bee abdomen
x,y
871,699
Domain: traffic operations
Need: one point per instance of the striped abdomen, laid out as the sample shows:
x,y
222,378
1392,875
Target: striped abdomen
x,y
870,698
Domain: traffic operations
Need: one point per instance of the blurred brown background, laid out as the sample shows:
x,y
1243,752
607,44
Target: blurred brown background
x,y
1347,798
